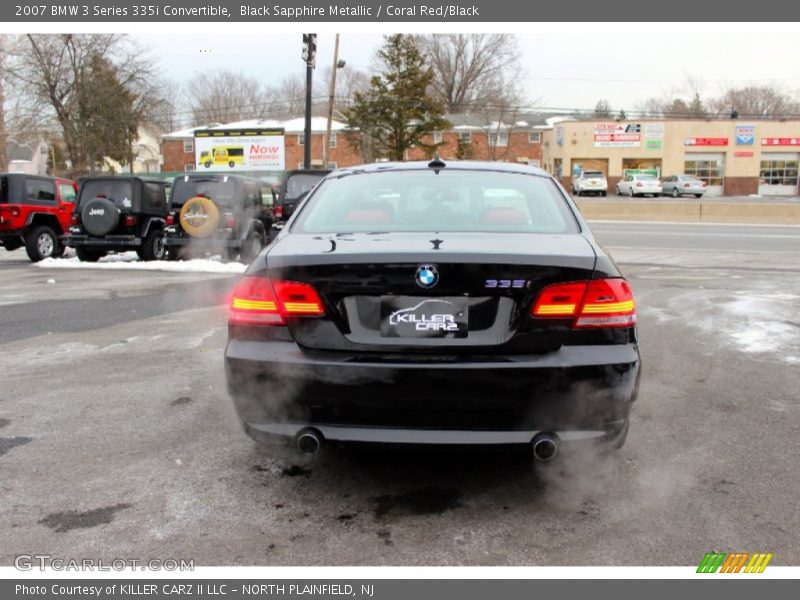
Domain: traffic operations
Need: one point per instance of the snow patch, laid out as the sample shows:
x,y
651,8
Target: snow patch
x,y
125,261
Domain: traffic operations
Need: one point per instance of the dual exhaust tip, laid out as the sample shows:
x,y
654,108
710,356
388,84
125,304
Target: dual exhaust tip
x,y
309,441
544,445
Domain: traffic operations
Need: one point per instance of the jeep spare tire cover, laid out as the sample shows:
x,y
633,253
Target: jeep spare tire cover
x,y
199,216
99,216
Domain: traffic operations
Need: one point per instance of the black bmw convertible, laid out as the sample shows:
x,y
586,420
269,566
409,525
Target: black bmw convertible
x,y
457,303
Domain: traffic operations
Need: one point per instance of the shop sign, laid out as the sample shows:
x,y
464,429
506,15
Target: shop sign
x,y
745,135
654,131
743,154
705,141
653,145
617,135
787,141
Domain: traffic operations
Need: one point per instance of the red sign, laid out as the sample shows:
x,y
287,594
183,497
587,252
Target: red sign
x,y
790,141
743,154
706,141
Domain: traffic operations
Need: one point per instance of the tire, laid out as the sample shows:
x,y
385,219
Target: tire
x,y
251,248
85,255
675,193
199,217
631,194
207,164
603,194
618,192
41,242
231,164
153,246
698,195
99,216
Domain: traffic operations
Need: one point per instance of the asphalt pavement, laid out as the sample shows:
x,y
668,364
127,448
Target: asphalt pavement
x,y
117,438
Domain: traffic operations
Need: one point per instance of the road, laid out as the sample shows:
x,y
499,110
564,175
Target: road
x,y
117,438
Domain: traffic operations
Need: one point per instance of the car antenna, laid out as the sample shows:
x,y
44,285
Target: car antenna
x,y
437,164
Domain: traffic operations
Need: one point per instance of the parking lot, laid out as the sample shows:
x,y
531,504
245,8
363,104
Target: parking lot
x,y
117,438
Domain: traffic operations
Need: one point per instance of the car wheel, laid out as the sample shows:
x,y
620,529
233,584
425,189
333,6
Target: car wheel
x,y
231,164
41,242
675,193
631,194
85,255
251,247
207,164
172,253
604,194
618,192
153,246
698,195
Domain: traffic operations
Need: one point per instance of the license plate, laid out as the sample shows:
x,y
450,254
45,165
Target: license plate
x,y
416,317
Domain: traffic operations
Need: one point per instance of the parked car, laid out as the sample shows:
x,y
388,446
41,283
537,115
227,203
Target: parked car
x,y
678,185
117,214
217,213
590,182
35,212
435,303
294,187
639,185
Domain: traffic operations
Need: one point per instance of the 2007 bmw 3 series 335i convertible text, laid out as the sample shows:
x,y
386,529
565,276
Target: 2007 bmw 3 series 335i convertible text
x,y
459,303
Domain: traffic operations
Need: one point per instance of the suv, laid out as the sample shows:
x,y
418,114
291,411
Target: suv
x,y
217,213
295,186
119,213
590,182
35,212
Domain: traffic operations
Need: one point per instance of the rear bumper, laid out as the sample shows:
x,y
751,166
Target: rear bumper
x,y
577,392
205,244
109,242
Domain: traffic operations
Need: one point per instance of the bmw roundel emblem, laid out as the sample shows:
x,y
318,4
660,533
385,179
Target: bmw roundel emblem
x,y
427,276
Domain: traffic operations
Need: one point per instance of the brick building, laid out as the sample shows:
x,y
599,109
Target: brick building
x,y
468,138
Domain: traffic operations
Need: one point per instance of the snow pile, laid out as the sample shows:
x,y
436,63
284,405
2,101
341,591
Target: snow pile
x,y
129,261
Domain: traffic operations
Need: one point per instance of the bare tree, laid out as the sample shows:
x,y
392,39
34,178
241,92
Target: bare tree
x,y
225,96
96,88
3,131
471,70
756,102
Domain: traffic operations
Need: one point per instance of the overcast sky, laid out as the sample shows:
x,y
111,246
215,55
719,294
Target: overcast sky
x,y
561,70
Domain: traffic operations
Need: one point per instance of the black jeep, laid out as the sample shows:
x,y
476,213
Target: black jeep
x,y
294,187
119,213
217,213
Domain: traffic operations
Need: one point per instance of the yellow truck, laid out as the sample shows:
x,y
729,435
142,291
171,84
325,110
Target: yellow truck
x,y
220,155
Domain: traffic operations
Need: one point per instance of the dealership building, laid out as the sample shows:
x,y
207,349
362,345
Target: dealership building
x,y
734,157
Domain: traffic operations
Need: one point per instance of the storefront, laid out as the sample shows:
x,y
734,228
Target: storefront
x,y
733,158
778,173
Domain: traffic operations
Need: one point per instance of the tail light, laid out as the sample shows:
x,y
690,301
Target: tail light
x,y
75,220
278,211
130,220
596,303
638,184
686,185
229,220
704,184
260,301
171,219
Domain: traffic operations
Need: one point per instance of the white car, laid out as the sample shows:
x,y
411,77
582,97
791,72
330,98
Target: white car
x,y
639,185
590,182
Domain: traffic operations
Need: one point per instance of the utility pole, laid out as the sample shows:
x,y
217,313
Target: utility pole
x,y
331,95
309,55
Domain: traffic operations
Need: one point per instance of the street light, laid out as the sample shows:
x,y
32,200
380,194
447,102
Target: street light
x,y
337,64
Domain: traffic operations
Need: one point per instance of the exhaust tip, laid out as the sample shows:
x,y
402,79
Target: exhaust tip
x,y
545,447
309,441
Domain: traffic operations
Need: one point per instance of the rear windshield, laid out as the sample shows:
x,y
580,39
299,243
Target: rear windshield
x,y
646,177
220,190
299,184
453,200
119,191
593,174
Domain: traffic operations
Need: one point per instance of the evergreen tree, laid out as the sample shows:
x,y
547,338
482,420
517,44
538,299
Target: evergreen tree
x,y
397,111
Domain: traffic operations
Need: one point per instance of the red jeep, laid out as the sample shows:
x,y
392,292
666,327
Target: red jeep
x,y
35,211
